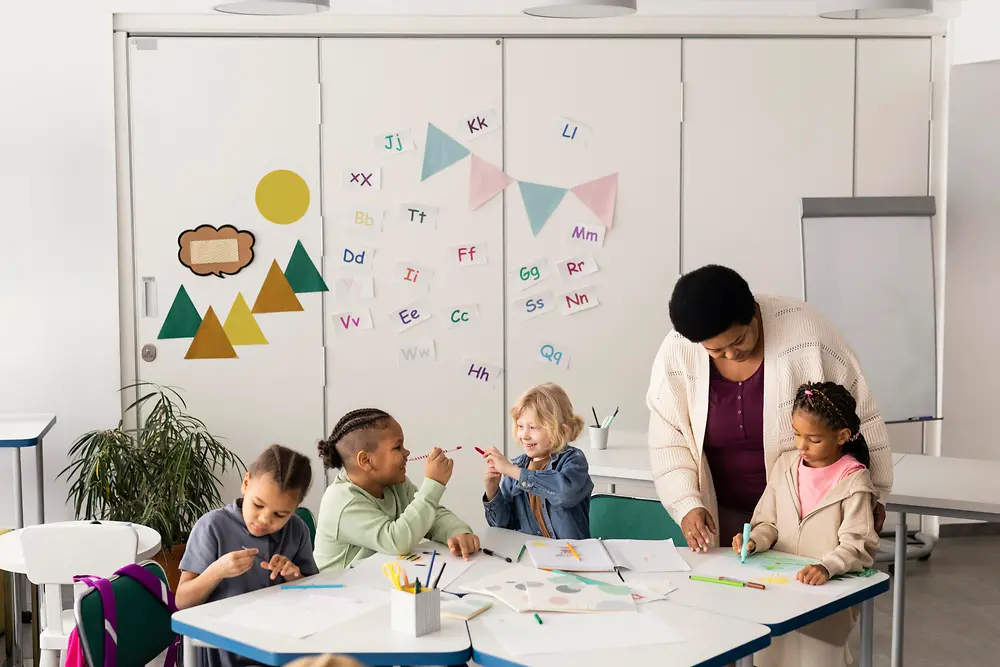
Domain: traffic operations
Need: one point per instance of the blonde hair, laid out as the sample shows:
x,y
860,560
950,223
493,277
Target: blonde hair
x,y
554,412
325,661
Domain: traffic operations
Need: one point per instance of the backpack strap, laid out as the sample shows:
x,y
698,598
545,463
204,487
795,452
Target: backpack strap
x,y
161,591
107,594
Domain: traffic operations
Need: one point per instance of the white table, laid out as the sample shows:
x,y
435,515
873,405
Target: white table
x,y
368,638
17,432
936,486
12,560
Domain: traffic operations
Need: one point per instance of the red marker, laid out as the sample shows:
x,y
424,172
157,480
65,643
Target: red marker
x,y
480,451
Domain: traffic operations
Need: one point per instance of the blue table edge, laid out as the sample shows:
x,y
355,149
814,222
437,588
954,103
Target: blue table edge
x,y
845,602
277,659
29,442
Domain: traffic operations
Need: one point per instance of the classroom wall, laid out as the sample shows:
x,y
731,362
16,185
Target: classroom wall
x,y
59,255
975,33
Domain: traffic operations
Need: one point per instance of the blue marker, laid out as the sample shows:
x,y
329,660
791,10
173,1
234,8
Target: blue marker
x,y
746,540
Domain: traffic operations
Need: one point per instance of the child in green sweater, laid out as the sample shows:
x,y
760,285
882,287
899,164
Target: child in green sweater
x,y
372,507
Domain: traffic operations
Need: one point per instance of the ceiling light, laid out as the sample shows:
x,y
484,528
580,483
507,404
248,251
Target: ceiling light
x,y
583,9
274,7
873,9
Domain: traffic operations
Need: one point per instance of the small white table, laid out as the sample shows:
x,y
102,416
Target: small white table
x,y
936,486
17,432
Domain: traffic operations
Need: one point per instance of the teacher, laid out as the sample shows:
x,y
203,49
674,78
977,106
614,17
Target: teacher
x,y
720,399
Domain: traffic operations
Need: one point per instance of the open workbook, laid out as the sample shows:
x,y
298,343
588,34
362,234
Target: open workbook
x,y
606,555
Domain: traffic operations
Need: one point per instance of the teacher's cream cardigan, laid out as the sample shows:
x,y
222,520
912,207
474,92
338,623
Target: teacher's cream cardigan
x,y
799,346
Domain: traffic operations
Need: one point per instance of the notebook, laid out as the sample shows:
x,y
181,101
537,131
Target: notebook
x,y
606,555
464,608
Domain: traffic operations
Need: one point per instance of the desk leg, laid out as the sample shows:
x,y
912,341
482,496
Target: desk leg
x,y
899,593
16,654
868,633
746,661
190,653
40,481
18,499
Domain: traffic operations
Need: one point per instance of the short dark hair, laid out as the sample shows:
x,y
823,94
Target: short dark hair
x,y
709,300
291,471
835,405
332,450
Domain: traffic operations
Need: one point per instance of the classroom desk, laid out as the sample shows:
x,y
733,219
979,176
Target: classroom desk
x,y
16,433
937,486
368,638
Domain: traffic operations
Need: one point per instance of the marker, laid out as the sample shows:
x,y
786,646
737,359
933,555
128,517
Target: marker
x,y
521,553
440,572
431,568
481,452
712,580
490,552
285,586
748,584
610,419
538,618
920,419
746,540
597,422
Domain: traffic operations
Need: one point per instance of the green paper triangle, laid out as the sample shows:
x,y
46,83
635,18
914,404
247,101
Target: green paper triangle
x,y
540,202
183,320
302,274
440,152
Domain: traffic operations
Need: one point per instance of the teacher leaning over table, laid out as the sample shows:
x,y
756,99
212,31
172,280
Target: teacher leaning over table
x,y
720,399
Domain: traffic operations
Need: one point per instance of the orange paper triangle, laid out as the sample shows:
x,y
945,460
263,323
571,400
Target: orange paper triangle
x,y
241,328
276,295
210,342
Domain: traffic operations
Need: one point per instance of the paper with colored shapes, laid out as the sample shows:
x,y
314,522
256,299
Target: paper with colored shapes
x,y
395,142
210,342
485,182
535,305
591,236
571,132
577,300
363,179
302,274
583,265
418,216
276,295
465,608
527,590
520,634
209,251
552,355
531,273
414,352
353,320
282,197
440,152
362,218
599,196
356,287
540,202
460,315
469,254
774,569
409,316
241,326
182,320
478,125
354,256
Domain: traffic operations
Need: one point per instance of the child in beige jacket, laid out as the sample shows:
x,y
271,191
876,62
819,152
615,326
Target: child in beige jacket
x,y
818,503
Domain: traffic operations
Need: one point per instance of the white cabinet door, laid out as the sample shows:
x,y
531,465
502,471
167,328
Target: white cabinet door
x,y
210,118
624,96
766,123
893,117
379,88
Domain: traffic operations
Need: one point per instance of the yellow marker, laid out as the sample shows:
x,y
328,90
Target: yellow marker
x,y
573,551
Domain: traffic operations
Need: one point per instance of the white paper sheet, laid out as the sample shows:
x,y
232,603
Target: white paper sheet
x,y
304,612
520,634
647,555
556,555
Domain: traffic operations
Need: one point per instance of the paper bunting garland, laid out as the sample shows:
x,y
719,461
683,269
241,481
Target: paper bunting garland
x,y
540,202
276,295
210,342
485,182
302,274
182,320
440,152
599,196
241,327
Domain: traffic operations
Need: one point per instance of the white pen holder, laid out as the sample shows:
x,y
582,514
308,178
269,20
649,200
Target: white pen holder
x,y
415,614
598,437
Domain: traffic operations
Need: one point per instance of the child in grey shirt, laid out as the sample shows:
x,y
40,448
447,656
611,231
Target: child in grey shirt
x,y
255,542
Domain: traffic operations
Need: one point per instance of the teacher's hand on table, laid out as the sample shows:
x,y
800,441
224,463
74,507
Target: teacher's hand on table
x,y
879,517
698,527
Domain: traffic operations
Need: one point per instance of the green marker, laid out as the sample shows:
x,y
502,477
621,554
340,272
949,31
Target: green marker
x,y
538,618
713,580
521,553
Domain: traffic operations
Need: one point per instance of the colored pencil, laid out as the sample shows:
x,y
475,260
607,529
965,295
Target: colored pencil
x,y
524,547
573,551
539,619
438,578
431,568
424,456
597,422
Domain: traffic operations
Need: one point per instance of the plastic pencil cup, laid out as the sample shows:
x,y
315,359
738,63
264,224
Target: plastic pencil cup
x,y
415,614
598,437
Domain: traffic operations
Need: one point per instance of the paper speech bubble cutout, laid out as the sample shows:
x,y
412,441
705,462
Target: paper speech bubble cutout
x,y
209,251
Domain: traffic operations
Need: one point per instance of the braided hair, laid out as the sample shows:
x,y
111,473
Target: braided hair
x,y
365,419
291,471
833,404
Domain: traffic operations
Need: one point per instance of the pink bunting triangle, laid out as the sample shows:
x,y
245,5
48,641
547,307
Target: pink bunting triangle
x,y
485,182
599,196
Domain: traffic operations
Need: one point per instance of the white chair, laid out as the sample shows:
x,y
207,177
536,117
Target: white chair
x,y
54,554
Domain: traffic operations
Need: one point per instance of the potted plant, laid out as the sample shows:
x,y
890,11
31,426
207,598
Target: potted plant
x,y
165,473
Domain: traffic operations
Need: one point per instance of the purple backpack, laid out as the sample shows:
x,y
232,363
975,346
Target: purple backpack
x,y
149,581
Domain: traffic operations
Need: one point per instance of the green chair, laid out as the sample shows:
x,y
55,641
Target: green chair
x,y
307,516
625,518
143,621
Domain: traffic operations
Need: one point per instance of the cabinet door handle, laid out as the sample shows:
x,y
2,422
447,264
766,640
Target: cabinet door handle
x,y
149,297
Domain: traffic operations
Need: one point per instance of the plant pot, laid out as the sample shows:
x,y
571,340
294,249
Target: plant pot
x,y
171,560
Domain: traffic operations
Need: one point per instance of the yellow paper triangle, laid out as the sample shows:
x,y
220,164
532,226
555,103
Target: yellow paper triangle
x,y
241,327
210,342
276,295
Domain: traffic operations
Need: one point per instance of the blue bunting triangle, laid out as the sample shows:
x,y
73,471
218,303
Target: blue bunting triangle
x,y
540,202
440,152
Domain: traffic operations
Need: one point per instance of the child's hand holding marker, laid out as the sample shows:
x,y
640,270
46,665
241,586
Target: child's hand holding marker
x,y
438,467
234,563
499,463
